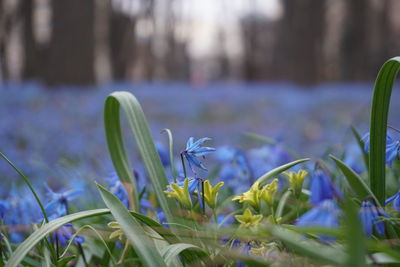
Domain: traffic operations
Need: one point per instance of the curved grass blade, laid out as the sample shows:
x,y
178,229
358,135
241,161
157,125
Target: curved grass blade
x,y
171,153
355,181
98,235
170,252
378,127
143,245
272,173
137,122
308,248
356,247
29,243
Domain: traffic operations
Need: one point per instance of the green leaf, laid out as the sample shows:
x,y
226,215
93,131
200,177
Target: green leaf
x,y
171,153
356,240
29,243
275,172
135,233
378,127
144,140
170,252
355,181
308,248
64,261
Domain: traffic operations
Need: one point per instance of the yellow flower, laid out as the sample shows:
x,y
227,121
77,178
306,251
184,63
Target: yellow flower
x,y
248,219
180,193
296,181
251,197
210,193
268,192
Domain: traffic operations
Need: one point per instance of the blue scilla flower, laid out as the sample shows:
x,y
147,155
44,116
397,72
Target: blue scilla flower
x,y
326,215
392,147
322,188
59,201
194,150
3,209
118,189
370,216
396,201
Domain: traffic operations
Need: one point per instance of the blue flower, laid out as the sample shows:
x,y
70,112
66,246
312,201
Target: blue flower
x,y
117,188
392,147
396,201
370,217
194,150
322,188
3,209
59,201
326,215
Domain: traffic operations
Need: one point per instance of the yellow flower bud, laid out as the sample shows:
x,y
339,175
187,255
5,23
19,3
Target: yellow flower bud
x,y
296,181
210,193
268,192
251,197
248,219
180,193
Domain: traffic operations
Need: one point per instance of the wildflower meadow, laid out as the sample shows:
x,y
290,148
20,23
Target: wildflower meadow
x,y
203,204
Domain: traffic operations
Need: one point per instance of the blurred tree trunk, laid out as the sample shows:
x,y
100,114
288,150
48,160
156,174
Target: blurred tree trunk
x,y
122,45
33,64
71,52
301,40
354,47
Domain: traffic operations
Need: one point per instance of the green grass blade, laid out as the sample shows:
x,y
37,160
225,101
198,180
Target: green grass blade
x,y
356,240
355,181
171,153
29,243
308,248
137,122
135,233
170,252
378,127
273,173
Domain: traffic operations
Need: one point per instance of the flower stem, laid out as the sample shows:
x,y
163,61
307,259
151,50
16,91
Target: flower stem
x,y
183,165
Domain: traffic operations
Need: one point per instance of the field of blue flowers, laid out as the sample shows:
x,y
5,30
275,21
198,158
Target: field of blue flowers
x,y
226,175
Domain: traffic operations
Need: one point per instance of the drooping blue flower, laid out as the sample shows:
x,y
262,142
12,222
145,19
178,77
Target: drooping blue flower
x,y
194,150
322,188
370,216
326,215
3,209
392,147
118,189
396,201
59,201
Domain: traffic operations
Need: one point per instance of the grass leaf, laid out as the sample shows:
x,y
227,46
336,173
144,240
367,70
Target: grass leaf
x,y
138,125
135,233
378,127
29,243
272,173
355,181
